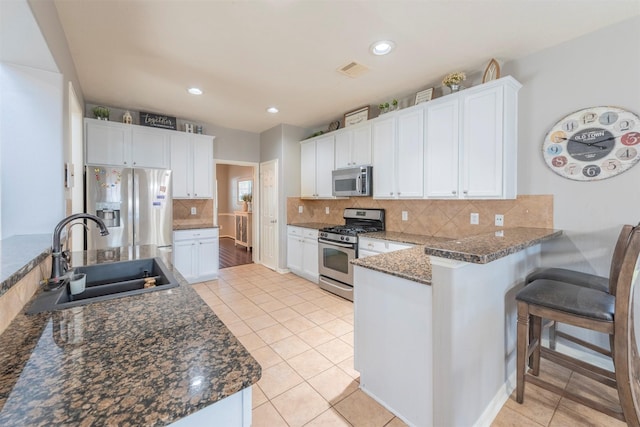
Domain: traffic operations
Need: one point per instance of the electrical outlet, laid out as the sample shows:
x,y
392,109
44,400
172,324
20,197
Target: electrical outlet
x,y
475,218
405,215
326,210
300,209
499,220
193,210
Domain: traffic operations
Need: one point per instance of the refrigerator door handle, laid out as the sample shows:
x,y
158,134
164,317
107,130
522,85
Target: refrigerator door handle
x,y
133,205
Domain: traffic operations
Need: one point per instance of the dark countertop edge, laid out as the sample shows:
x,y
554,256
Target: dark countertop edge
x,y
238,385
487,258
312,225
404,263
193,227
13,278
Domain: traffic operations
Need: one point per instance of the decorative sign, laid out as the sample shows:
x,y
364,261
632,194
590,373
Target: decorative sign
x,y
424,96
158,121
356,116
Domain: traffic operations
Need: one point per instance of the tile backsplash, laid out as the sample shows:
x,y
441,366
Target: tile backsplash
x,y
443,218
182,211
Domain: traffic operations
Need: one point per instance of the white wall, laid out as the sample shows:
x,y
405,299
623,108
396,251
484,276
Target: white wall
x,y
32,152
282,142
601,68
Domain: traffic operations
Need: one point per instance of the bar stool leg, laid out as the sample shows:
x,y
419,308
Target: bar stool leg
x,y
522,345
536,321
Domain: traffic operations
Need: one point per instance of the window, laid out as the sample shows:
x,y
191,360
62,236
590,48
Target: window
x,y
244,187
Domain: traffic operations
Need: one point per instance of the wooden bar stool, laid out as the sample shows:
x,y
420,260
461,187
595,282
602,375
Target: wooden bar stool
x,y
587,280
612,313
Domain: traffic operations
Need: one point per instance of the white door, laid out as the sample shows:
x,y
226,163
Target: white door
x,y
269,214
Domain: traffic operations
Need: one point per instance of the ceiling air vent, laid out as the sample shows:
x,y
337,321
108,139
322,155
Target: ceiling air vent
x,y
353,70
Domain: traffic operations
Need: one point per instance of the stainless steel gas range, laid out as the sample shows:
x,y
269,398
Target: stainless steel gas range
x,y
338,245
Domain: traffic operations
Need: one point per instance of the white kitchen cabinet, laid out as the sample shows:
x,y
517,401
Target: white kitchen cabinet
x,y
441,169
398,147
117,144
192,165
353,146
150,148
317,163
302,252
369,247
471,143
196,253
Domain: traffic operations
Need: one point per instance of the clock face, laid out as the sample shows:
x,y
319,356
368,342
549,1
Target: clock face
x,y
594,143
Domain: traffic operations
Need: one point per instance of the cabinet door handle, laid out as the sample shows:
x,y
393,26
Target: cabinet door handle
x,y
466,191
454,192
195,194
391,193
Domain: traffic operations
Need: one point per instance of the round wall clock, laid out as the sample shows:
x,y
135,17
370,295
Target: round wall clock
x,y
593,143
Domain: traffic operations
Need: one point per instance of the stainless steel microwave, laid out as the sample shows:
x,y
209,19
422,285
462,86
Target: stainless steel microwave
x,y
352,182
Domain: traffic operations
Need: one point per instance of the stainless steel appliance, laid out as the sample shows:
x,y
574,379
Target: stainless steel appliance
x,y
135,205
352,181
337,246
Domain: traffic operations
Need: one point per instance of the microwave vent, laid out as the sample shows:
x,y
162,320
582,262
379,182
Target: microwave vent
x,y
353,69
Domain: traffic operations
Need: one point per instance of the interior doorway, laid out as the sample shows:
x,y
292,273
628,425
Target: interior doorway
x,y
235,209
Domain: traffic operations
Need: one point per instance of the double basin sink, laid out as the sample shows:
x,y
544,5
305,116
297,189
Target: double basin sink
x,y
108,281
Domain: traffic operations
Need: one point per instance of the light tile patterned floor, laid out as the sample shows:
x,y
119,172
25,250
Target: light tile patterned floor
x,y
303,339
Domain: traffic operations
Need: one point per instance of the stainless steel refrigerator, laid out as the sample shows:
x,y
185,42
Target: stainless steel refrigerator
x,y
135,205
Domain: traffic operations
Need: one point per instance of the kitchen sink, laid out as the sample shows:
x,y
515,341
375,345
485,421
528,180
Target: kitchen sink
x,y
108,281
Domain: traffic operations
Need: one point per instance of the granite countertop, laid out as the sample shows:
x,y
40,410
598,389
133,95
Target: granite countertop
x,y
415,263
147,359
187,224
313,225
19,255
414,239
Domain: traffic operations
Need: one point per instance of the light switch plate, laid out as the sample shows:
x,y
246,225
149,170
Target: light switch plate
x,y
405,215
193,210
499,220
326,210
300,209
475,218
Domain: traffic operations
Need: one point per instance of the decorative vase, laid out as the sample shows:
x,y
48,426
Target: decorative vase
x,y
245,206
454,87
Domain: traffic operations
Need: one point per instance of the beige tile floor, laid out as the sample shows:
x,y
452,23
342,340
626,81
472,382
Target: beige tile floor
x,y
303,339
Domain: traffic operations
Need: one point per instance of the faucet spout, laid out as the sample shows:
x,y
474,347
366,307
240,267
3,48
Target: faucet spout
x,y
56,250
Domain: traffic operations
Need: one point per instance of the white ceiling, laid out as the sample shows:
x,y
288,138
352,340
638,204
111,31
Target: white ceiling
x,y
249,55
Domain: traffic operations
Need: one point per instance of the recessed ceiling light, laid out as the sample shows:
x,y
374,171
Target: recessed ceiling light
x,y
272,110
195,91
382,47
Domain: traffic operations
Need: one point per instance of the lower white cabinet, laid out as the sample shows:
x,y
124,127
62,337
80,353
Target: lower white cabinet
x,y
196,253
368,246
302,252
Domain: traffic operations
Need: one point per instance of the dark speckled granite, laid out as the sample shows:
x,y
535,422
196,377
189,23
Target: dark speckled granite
x,y
19,255
414,239
489,247
415,264
148,359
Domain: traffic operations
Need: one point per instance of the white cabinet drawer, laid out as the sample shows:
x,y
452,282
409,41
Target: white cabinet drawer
x,y
196,233
369,246
294,231
310,233
373,245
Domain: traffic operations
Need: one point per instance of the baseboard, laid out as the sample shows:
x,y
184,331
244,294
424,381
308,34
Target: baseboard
x,y
498,401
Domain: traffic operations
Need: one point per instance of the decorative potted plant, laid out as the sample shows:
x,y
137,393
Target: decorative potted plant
x,y
453,80
394,104
101,113
246,199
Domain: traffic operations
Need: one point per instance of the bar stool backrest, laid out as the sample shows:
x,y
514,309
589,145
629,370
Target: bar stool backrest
x,y
618,256
627,330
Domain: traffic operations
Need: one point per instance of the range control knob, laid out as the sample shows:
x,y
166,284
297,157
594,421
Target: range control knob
x,y
347,239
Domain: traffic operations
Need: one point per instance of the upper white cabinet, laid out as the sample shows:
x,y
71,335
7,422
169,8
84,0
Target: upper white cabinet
x,y
398,150
353,146
317,163
117,144
192,165
471,143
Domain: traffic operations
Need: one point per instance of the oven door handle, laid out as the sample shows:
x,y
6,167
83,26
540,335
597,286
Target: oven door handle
x,y
342,245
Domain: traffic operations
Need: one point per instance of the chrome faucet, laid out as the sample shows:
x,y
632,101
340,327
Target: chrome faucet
x,y
57,269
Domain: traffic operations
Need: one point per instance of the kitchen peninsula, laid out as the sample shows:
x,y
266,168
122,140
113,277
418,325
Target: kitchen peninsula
x,y
435,324
151,359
